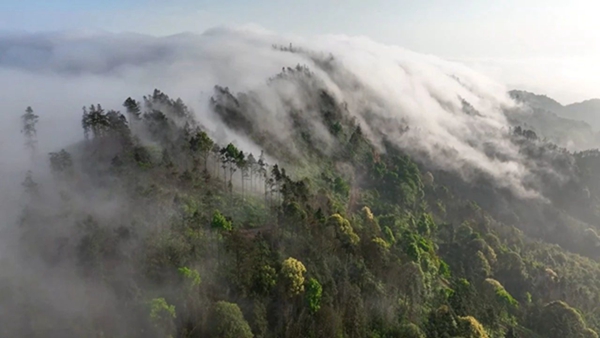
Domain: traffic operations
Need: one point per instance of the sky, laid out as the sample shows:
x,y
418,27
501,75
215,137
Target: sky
x,y
548,46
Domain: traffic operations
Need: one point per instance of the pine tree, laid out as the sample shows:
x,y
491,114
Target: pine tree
x,y
133,109
201,143
251,170
29,121
230,155
242,164
95,120
264,173
61,162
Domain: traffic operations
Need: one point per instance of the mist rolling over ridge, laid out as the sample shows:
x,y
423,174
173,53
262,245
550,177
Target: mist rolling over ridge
x,y
245,183
386,88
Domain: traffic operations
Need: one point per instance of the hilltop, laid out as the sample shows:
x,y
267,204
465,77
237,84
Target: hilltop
x,y
586,111
320,206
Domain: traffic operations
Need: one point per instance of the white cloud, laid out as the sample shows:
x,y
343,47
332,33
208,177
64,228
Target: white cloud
x,y
396,86
566,79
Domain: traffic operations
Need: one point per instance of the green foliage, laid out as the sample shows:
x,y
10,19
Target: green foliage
x,y
444,269
314,292
381,243
160,309
426,225
162,315
480,266
133,108
528,298
295,212
336,128
495,288
411,331
558,319
142,157
219,222
341,187
441,323
265,279
192,275
463,296
343,229
497,305
469,327
61,162
228,321
369,221
385,270
260,324
389,235
413,251
200,142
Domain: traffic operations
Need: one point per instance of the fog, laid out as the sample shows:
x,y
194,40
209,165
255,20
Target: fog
x,y
386,88
566,79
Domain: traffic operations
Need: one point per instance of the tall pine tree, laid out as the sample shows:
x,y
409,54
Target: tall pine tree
x,y
29,121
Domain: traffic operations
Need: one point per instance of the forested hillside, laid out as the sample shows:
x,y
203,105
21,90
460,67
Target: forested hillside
x,y
576,124
154,226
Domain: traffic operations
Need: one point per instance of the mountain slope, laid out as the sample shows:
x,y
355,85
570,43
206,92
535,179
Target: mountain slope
x,y
586,111
542,102
329,201
568,133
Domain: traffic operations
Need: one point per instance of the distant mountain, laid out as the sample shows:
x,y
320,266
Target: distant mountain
x,y
326,201
571,134
536,101
552,120
587,111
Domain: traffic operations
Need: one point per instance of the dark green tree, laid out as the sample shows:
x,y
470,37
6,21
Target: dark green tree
x,y
228,322
314,291
202,144
61,162
29,121
94,121
133,109
219,222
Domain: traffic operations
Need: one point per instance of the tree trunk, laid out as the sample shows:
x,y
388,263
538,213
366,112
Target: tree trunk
x,y
242,177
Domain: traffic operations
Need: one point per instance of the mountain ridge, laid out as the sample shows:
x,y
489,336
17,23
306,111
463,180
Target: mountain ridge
x,y
365,193
587,111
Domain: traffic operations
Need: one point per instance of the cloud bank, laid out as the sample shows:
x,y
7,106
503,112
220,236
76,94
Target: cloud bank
x,y
386,88
566,79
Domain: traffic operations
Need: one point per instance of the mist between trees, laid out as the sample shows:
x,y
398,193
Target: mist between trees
x,y
348,222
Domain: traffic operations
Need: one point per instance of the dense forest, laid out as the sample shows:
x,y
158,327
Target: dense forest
x,y
153,226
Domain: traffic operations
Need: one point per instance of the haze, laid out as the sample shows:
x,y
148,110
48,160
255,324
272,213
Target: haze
x,y
255,169
544,46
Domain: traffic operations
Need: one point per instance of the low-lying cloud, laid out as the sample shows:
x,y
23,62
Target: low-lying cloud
x,y
440,112
385,87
